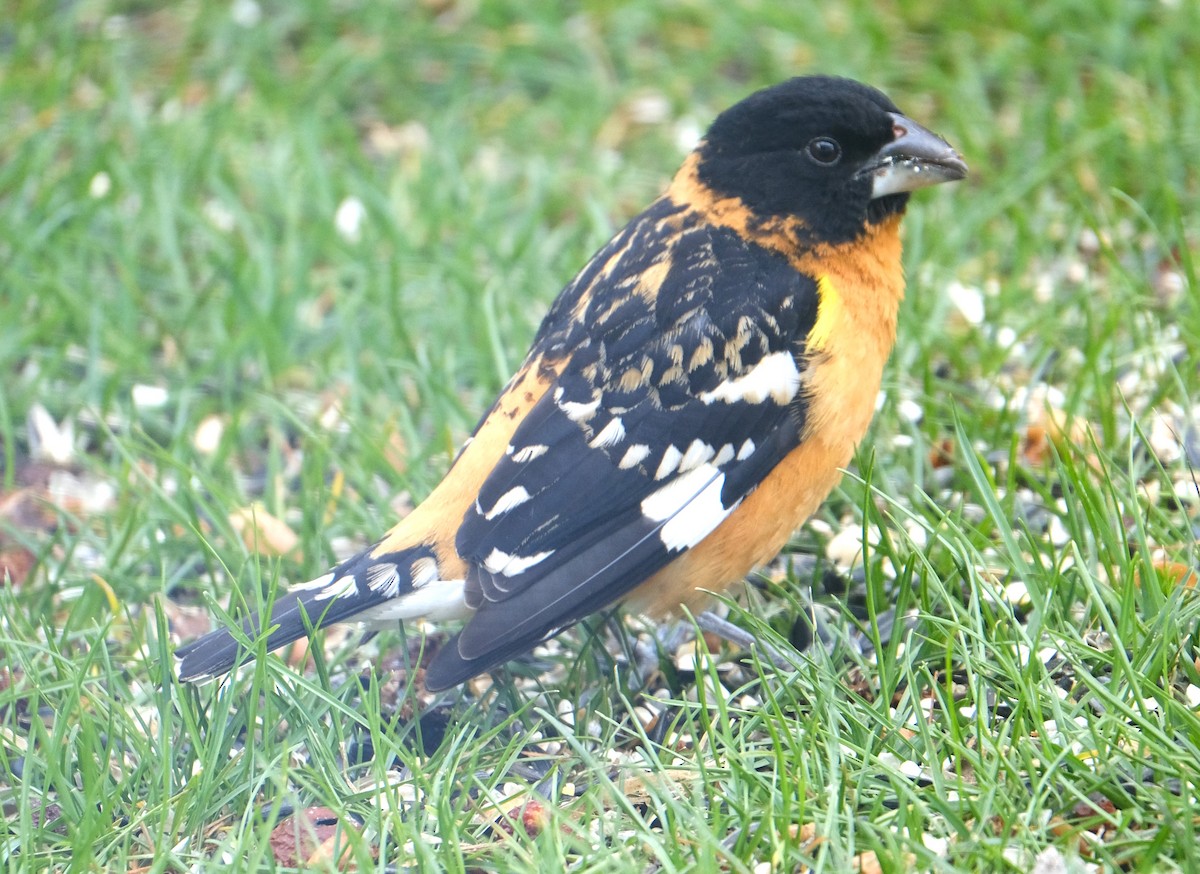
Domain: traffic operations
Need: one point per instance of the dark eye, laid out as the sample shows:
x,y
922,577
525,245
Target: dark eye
x,y
824,150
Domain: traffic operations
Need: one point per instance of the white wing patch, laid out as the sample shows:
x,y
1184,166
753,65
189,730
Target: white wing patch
x,y
746,451
527,453
724,455
610,434
576,411
634,456
697,453
514,497
775,377
670,461
510,565
691,507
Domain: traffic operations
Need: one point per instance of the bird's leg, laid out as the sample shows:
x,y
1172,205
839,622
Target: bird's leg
x,y
641,656
738,636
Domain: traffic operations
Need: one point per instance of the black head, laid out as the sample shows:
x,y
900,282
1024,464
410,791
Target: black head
x,y
834,153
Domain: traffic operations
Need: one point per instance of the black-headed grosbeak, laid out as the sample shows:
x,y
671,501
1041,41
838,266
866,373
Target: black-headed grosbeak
x,y
689,400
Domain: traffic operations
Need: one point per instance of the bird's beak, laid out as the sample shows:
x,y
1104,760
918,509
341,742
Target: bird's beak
x,y
915,158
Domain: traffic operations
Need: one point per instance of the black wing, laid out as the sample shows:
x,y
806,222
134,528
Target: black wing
x,y
681,392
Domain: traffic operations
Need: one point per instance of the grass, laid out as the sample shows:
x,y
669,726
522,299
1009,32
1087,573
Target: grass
x,y
171,266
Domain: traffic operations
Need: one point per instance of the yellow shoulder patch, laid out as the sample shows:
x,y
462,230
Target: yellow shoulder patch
x,y
829,311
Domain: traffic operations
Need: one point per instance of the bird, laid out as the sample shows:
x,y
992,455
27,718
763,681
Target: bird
x,y
689,400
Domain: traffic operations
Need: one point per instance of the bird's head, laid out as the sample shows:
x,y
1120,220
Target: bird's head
x,y
832,153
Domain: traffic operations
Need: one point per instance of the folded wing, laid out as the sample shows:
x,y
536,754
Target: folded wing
x,y
683,389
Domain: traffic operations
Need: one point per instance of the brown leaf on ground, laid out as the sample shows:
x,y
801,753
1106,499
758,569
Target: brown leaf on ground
x,y
334,639
864,863
803,833
26,508
1171,573
16,562
44,491
186,623
23,508
313,837
43,814
1049,426
261,531
867,863
1092,817
531,815
941,453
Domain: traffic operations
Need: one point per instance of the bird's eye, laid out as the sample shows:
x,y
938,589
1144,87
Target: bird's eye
x,y
824,150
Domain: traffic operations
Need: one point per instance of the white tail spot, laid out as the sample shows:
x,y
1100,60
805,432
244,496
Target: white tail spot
x,y
342,587
383,579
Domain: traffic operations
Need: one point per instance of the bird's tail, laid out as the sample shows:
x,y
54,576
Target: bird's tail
x,y
354,587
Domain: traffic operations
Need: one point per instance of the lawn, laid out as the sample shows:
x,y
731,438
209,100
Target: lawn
x,y
263,264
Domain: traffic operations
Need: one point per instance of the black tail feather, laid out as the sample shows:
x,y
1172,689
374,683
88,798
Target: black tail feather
x,y
350,589
217,652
